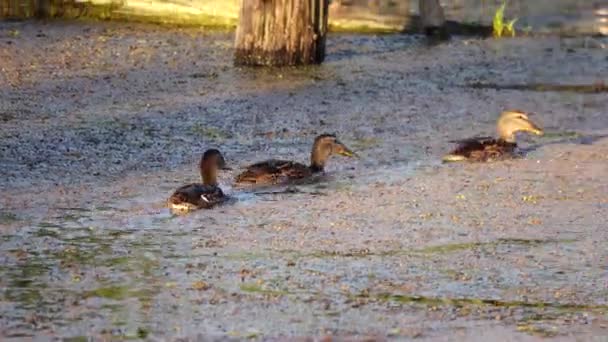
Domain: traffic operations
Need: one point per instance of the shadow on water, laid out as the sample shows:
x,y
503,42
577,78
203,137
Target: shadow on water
x,y
342,47
557,138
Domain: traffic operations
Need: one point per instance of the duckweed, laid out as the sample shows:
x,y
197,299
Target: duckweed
x,y
436,301
210,132
255,288
110,292
8,217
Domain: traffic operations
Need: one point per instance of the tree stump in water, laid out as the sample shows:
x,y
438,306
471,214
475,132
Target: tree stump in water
x,y
281,32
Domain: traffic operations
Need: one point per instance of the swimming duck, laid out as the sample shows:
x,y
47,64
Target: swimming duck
x,y
275,171
201,195
484,149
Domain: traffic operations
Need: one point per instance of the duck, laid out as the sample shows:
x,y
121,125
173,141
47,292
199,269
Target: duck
x,y
203,195
486,149
275,171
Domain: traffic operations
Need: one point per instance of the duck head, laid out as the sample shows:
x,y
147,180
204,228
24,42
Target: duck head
x,y
513,121
211,161
324,146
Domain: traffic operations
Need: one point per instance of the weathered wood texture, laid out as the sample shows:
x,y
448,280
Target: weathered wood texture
x,y
281,32
431,13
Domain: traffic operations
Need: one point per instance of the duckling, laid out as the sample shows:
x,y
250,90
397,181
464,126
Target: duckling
x,y
205,195
484,149
275,171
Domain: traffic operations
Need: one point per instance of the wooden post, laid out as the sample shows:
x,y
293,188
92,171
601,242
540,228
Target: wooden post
x,y
431,13
281,32
43,9
432,17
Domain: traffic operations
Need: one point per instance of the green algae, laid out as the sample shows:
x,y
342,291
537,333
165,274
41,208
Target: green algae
x,y
255,288
7,217
76,339
459,302
561,135
44,232
456,247
110,292
366,253
536,330
121,292
210,132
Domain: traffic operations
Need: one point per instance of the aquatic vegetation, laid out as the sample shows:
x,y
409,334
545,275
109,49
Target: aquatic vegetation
x,y
76,339
8,217
110,292
255,288
42,232
121,292
209,132
536,330
500,28
561,135
366,143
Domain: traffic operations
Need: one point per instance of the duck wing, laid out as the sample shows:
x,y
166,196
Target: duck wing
x,y
196,196
480,149
273,171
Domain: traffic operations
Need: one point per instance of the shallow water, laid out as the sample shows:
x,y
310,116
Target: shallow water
x,y
395,244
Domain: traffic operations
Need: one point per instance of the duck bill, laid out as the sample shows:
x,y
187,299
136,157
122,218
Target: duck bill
x,y
348,153
535,129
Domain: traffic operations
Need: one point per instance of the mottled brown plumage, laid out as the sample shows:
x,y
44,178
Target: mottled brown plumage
x,y
276,171
205,195
485,149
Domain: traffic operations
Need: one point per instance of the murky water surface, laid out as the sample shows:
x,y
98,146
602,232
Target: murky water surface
x,y
100,122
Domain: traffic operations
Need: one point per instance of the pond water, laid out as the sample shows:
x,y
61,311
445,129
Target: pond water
x,y
100,122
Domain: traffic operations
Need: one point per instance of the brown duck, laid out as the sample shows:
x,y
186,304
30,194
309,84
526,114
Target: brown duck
x,y
276,171
485,149
201,195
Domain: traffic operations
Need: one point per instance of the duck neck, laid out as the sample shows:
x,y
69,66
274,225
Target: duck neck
x,y
208,173
505,133
318,157
509,138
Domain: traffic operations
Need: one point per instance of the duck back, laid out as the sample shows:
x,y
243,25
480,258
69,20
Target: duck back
x,y
273,171
481,149
196,196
